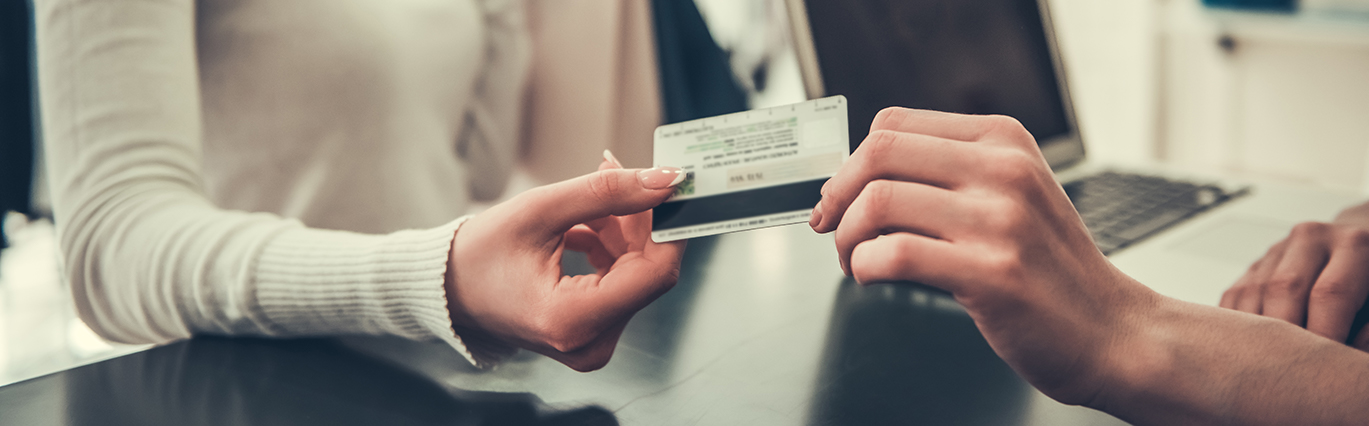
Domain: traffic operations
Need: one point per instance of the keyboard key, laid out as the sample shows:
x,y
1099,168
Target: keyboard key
x,y
1120,209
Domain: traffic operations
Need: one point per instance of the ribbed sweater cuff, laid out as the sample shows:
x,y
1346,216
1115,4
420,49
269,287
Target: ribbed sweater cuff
x,y
312,282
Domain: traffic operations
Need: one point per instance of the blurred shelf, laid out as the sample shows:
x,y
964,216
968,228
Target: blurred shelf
x,y
1320,27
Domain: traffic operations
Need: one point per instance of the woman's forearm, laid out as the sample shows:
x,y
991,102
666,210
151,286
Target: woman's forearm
x,y
1195,364
148,257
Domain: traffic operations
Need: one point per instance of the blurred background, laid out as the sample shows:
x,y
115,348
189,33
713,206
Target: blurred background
x,y
1261,89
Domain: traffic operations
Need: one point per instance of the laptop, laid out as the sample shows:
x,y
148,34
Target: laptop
x,y
1185,234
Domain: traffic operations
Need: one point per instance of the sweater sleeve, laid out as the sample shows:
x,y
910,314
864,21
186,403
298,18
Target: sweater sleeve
x,y
148,257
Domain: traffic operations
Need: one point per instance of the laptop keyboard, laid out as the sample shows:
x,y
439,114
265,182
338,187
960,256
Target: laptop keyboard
x,y
1121,209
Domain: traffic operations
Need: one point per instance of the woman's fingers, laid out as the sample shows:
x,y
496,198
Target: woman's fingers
x,y
549,211
638,278
885,206
920,158
633,231
633,271
610,162
593,355
583,306
585,240
621,234
634,280
504,280
615,234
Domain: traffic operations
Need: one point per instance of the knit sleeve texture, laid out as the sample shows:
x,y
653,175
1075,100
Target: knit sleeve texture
x,y
148,257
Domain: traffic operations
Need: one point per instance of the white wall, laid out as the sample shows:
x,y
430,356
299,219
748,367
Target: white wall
x,y
1109,48
1289,101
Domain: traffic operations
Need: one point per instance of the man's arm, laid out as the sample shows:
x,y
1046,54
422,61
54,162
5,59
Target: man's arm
x,y
1195,364
968,204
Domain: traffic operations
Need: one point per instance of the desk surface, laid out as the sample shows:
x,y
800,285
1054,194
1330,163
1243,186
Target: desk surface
x,y
762,329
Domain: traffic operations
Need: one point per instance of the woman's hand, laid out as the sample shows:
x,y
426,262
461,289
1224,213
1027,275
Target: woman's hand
x,y
968,204
1317,278
505,283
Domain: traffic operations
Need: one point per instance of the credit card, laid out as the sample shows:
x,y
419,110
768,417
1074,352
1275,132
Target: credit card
x,y
749,170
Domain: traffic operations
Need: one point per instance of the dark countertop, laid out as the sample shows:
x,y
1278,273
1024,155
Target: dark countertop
x,y
761,330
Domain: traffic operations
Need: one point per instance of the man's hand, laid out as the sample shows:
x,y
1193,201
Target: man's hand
x,y
968,204
505,281
1317,278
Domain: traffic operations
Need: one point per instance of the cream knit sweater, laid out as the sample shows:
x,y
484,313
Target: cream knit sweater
x,y
206,158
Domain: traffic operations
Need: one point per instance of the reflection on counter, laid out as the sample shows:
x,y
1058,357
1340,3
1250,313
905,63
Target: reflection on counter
x,y
899,354
219,381
762,329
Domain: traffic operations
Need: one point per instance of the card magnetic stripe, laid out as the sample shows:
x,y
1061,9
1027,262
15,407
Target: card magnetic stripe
x,y
737,205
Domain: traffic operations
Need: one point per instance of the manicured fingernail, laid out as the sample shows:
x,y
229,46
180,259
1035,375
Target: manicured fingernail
x,y
608,155
817,217
661,177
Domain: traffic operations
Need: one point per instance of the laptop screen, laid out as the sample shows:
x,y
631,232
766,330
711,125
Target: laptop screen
x,y
965,56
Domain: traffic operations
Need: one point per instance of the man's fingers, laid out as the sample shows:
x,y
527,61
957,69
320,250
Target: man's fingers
x,y
894,156
1229,296
1251,300
1242,284
1287,286
960,127
885,206
1339,292
1361,341
909,257
555,208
